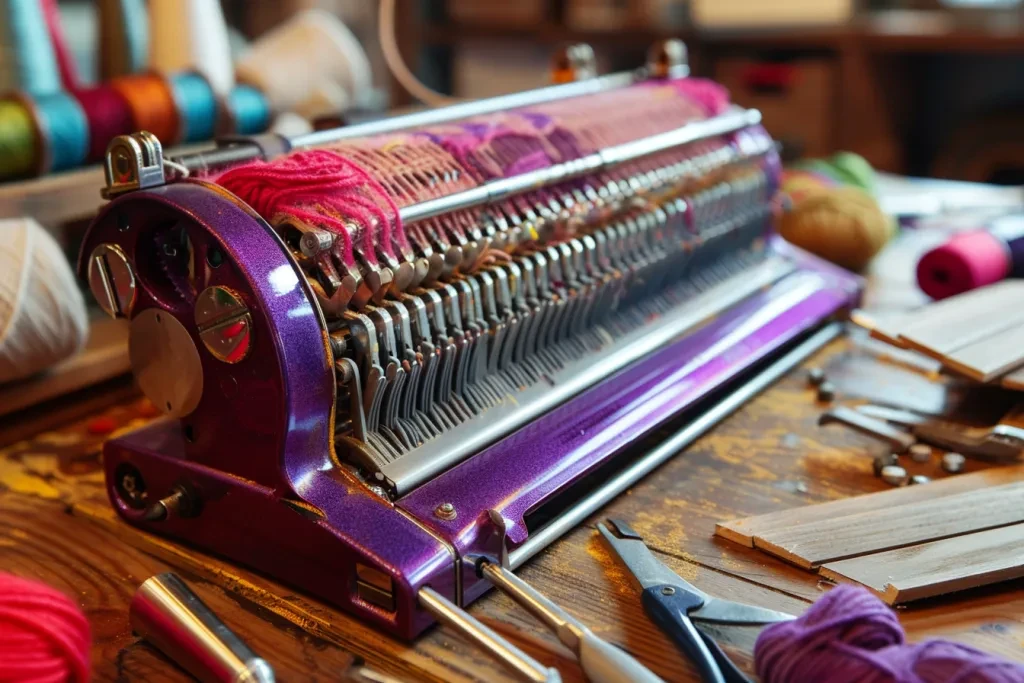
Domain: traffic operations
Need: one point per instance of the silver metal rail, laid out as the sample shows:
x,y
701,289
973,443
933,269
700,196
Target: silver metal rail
x,y
498,190
466,110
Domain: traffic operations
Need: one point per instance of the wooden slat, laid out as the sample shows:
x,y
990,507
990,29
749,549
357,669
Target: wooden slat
x,y
991,357
937,568
811,545
960,321
743,531
1014,380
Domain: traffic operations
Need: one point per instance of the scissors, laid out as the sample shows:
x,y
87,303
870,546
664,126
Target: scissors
x,y
674,604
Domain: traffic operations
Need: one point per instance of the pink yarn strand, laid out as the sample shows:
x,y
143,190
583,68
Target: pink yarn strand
x,y
850,636
322,188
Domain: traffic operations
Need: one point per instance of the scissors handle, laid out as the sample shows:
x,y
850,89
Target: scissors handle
x,y
669,609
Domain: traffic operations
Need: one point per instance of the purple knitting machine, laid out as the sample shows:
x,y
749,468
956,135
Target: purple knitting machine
x,y
544,337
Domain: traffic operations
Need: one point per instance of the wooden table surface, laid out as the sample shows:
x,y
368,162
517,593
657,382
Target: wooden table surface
x,y
56,526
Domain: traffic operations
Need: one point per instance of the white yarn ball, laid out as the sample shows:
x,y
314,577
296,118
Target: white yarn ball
x,y
292,63
42,312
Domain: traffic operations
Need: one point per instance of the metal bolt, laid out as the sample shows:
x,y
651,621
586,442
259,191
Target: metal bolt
x,y
112,280
445,511
883,461
668,590
953,462
315,242
919,479
826,392
131,487
920,452
815,377
895,475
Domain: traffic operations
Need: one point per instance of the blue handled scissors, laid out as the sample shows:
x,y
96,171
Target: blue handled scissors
x,y
674,604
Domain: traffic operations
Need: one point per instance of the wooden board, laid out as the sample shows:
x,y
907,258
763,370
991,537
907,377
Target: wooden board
x,y
937,568
951,324
987,359
1014,380
811,545
774,524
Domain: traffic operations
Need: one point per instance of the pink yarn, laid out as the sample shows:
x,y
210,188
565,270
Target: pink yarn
x,y
44,637
849,635
325,189
713,97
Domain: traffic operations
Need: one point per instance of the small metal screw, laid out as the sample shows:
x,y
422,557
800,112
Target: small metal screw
x,y
668,590
883,461
895,475
826,392
130,485
815,377
920,452
953,462
445,511
919,479
379,490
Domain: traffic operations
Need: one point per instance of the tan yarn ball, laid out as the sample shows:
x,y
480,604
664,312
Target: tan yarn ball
x,y
843,225
42,312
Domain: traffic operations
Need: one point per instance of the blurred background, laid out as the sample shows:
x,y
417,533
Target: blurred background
x,y
922,87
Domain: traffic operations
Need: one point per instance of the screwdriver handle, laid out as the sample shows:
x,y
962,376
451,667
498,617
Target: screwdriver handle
x,y
602,662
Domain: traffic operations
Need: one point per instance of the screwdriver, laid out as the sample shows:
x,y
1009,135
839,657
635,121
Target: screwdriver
x,y
601,661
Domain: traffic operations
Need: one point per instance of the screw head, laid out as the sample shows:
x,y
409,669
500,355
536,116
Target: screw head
x,y
445,511
130,485
112,280
668,590
225,324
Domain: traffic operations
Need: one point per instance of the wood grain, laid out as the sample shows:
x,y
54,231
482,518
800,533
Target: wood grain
x,y
768,456
960,321
813,544
937,568
988,358
775,524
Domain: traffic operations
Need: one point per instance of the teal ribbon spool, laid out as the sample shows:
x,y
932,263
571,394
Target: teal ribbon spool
x,y
64,129
27,59
197,106
249,109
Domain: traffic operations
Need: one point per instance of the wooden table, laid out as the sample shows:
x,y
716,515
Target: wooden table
x,y
56,526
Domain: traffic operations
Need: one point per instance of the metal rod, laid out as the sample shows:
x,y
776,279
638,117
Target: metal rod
x,y
256,147
675,443
550,614
515,659
498,190
466,110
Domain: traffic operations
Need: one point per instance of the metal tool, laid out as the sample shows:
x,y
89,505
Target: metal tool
x,y
898,440
601,661
169,615
674,604
1001,443
511,656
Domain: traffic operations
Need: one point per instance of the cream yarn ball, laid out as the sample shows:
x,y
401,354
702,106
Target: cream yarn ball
x,y
42,312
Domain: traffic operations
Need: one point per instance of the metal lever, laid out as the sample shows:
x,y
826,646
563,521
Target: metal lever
x,y
515,659
601,661
167,613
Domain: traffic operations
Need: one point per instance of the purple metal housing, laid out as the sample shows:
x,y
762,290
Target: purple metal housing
x,y
259,448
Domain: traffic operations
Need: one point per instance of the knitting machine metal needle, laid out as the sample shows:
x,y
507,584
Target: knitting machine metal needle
x,y
169,615
601,661
518,661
